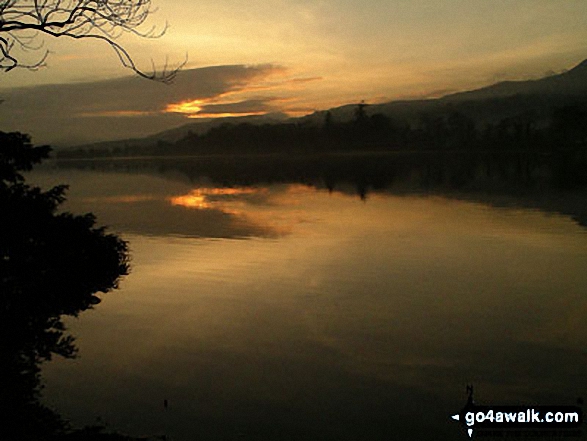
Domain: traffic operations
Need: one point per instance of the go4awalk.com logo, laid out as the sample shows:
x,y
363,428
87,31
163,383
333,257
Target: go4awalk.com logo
x,y
540,420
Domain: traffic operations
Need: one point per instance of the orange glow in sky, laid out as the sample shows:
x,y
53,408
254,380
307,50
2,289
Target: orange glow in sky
x,y
224,115
192,200
196,109
288,56
188,107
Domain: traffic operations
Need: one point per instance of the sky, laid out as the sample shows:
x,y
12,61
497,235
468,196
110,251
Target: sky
x,y
293,56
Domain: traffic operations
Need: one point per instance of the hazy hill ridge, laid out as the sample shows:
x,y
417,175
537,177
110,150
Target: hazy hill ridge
x,y
492,102
571,82
492,105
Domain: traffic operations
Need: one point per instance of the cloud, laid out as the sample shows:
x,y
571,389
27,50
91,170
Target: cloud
x,y
247,107
125,107
240,101
218,108
304,80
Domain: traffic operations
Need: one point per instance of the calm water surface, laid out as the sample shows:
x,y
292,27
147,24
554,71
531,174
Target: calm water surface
x,y
290,312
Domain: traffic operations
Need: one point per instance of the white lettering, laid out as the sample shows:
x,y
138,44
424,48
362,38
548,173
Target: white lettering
x,y
510,417
535,416
572,417
489,415
470,418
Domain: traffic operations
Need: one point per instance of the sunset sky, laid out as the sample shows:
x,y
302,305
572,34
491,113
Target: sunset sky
x,y
298,56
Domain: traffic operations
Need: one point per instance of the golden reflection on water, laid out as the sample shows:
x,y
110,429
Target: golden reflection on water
x,y
394,294
220,198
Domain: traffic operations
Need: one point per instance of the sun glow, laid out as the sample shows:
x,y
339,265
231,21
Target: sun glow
x,y
224,115
192,200
230,191
196,109
188,107
248,99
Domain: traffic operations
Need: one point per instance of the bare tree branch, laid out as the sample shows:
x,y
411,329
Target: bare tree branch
x,y
23,22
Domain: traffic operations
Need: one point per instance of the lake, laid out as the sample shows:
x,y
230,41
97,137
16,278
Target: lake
x,y
308,310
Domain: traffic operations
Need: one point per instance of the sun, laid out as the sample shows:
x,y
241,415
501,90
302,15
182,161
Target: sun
x,y
187,107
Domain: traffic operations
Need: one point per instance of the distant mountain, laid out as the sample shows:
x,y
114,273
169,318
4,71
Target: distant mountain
x,y
489,104
572,82
199,126
203,125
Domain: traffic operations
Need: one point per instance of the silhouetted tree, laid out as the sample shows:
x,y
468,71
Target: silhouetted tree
x,y
21,22
360,114
51,264
569,125
328,120
460,130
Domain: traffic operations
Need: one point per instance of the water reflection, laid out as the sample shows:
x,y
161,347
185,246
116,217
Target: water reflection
x,y
527,179
151,206
339,319
342,318
204,197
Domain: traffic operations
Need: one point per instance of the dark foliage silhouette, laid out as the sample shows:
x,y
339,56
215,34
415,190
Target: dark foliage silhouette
x,y
558,129
51,264
22,22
